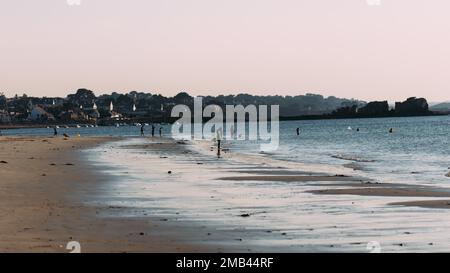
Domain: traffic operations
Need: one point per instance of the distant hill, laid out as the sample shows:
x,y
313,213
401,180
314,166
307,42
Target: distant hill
x,y
445,106
308,104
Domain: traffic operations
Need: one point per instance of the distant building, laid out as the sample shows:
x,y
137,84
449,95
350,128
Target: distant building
x,y
92,113
115,115
39,114
4,117
73,116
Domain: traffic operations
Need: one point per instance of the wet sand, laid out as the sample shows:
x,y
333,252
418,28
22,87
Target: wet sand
x,y
344,185
431,204
384,191
44,186
251,203
289,178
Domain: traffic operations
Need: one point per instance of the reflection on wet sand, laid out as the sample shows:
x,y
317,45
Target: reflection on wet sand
x,y
250,203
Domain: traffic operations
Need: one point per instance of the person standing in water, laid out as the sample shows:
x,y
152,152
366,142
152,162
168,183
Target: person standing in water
x,y
160,131
142,130
219,135
153,130
55,132
298,131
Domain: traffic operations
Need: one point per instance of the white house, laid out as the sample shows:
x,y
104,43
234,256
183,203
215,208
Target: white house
x,y
39,114
4,116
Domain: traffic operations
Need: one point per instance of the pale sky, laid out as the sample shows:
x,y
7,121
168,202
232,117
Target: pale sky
x,y
344,48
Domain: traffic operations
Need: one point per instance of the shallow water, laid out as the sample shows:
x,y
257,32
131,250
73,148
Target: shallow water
x,y
418,151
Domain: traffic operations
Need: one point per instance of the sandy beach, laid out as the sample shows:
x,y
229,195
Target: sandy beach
x,y
41,187
51,194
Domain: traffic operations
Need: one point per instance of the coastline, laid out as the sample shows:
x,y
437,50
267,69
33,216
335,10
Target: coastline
x,y
10,126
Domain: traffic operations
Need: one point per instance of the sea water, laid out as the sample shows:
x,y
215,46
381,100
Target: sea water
x,y
417,152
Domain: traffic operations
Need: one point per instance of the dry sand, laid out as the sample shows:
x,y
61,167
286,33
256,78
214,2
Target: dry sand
x,y
42,181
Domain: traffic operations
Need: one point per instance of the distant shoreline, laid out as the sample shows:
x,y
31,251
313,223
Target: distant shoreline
x,y
283,118
21,126
326,117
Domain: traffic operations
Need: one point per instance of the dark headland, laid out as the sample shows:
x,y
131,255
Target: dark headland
x,y
412,107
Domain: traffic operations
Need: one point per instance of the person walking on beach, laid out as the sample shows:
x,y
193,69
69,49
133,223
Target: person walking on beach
x,y
142,130
160,131
153,130
55,132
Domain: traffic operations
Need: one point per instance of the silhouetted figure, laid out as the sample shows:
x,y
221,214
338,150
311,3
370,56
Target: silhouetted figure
x,y
153,130
298,131
160,131
391,130
142,130
218,148
55,132
219,135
